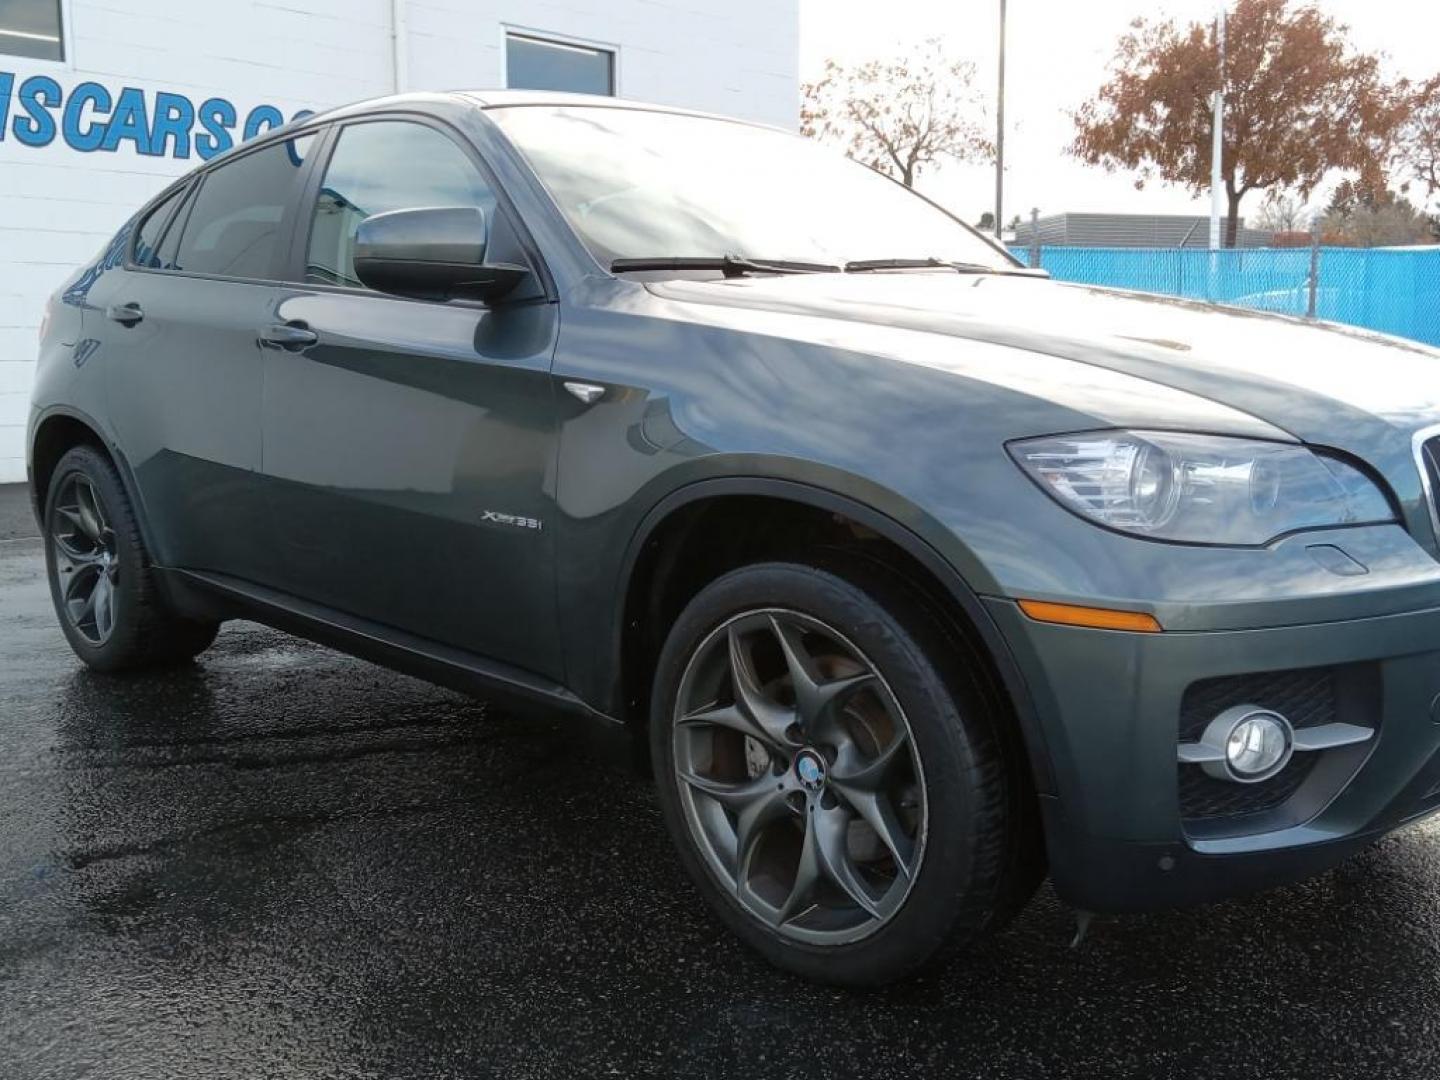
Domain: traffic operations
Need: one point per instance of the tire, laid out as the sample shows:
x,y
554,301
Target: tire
x,y
101,581
951,860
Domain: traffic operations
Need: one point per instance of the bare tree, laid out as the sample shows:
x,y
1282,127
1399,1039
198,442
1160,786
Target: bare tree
x,y
900,115
1282,213
1418,145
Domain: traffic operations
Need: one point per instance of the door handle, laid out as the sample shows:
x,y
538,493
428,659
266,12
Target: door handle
x,y
125,314
291,336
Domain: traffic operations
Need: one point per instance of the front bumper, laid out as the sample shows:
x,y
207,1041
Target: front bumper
x,y
1108,704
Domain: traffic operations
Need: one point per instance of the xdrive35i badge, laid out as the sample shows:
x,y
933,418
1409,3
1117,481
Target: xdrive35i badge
x,y
514,521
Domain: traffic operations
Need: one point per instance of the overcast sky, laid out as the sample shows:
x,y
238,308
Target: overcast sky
x,y
1058,51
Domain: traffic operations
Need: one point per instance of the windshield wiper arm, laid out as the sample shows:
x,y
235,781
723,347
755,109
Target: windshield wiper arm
x,y
729,265
860,266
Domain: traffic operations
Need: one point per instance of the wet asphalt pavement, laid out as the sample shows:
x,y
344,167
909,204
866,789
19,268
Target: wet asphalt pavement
x,y
281,862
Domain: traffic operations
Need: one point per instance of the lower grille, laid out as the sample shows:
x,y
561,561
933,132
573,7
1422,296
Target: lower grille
x,y
1203,797
1306,697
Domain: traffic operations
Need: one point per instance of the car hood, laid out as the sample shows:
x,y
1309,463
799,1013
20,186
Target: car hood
x,y
1323,384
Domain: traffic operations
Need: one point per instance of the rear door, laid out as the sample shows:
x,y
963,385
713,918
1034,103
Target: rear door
x,y
409,450
178,328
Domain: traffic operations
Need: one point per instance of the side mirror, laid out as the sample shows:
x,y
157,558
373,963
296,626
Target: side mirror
x,y
435,253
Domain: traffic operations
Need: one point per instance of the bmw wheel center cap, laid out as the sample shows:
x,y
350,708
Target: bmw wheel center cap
x,y
810,768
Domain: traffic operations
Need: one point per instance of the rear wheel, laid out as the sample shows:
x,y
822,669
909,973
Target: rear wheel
x,y
100,577
840,796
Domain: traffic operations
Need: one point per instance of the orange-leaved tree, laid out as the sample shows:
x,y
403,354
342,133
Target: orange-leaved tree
x,y
1299,102
900,115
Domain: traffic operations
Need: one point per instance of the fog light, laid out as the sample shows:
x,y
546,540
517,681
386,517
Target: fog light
x,y
1247,744
1258,746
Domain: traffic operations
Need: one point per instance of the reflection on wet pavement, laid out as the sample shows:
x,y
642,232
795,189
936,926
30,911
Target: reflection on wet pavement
x,y
282,862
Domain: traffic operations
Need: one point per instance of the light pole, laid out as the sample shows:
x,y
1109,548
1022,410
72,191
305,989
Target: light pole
x,y
1000,134
1217,137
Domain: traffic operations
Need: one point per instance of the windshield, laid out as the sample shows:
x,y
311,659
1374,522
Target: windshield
x,y
647,185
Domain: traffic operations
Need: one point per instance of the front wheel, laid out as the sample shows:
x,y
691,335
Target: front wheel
x,y
838,792
100,578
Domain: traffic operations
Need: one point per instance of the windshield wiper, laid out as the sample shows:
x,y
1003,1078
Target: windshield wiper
x,y
860,266
729,265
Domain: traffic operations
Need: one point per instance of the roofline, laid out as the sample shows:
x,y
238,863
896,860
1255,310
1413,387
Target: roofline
x,y
485,100
509,99
290,128
416,100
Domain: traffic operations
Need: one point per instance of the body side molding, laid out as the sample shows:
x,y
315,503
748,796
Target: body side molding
x,y
396,649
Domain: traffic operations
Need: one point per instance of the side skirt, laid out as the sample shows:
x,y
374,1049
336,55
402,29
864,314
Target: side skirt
x,y
517,690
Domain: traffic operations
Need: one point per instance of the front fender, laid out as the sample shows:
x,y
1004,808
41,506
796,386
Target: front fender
x,y
595,667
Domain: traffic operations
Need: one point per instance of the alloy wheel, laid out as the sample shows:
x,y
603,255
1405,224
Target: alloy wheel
x,y
86,562
799,777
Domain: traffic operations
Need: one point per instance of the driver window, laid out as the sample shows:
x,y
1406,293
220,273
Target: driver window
x,y
378,167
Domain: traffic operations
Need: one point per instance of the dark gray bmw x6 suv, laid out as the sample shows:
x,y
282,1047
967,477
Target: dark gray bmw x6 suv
x,y
918,573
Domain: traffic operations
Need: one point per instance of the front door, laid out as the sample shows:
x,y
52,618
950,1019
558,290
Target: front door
x,y
409,451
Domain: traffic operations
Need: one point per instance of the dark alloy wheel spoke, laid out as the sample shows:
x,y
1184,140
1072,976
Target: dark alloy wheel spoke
x,y
750,825
79,586
71,559
92,522
734,795
806,881
831,828
816,698
875,809
74,517
755,803
734,718
796,764
855,772
769,717
103,601
86,562
80,595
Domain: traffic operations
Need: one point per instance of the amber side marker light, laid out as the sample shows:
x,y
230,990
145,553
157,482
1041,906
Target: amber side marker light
x,y
1093,617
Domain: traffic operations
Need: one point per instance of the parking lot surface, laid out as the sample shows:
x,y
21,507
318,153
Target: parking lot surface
x,y
281,862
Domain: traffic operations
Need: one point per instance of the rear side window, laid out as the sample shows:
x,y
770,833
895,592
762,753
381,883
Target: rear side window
x,y
151,247
378,167
233,228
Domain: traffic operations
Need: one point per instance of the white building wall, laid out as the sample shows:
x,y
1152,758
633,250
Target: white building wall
x,y
58,204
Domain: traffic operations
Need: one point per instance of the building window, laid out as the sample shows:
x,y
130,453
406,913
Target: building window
x,y
535,63
31,28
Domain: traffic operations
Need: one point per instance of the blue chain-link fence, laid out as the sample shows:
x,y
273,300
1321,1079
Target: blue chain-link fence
x,y
1395,291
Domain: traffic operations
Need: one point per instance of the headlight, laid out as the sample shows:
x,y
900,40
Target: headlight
x,y
1200,489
